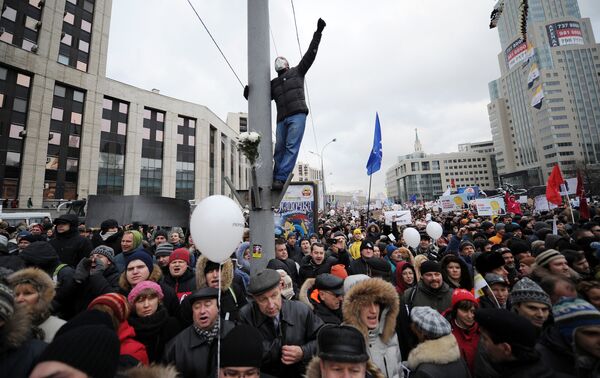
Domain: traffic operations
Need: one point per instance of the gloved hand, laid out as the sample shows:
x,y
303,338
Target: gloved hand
x,y
320,25
246,90
82,271
100,267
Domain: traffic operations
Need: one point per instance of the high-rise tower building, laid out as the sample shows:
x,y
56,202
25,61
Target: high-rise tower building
x,y
545,107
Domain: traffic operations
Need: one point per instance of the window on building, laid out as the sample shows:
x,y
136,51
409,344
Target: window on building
x,y
113,143
74,48
186,156
152,152
20,23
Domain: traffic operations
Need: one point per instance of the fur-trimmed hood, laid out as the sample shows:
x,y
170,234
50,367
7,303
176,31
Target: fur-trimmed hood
x,y
226,273
314,369
155,276
365,292
152,371
439,351
304,290
42,282
16,330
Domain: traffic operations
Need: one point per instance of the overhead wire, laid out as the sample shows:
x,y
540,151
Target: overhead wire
x,y
216,44
312,121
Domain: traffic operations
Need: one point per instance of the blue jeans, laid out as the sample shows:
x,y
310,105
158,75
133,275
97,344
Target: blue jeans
x,y
288,137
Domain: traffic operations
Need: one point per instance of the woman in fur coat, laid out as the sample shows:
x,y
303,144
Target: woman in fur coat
x,y
372,307
34,290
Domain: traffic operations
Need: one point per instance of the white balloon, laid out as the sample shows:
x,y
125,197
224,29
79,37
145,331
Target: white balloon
x,y
411,237
217,226
434,230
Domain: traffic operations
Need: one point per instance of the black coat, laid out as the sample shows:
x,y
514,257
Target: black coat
x,y
308,269
155,331
298,326
70,246
113,241
359,266
192,355
556,353
95,285
19,352
183,285
288,88
328,316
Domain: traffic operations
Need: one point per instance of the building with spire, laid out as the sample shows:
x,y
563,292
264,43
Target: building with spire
x,y
425,177
545,107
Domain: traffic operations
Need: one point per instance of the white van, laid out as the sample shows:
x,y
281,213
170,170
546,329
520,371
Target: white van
x,y
29,218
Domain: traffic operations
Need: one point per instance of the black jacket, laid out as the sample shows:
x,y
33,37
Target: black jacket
x,y
192,355
298,326
556,353
308,269
113,241
19,352
359,266
288,88
95,285
328,316
183,285
70,246
155,331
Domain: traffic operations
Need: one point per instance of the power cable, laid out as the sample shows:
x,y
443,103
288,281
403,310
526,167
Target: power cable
x,y
312,121
216,44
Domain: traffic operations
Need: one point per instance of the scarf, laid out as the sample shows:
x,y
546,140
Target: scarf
x,y
107,235
209,334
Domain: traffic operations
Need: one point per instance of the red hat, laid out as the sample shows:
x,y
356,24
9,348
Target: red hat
x,y
116,302
180,254
462,295
339,270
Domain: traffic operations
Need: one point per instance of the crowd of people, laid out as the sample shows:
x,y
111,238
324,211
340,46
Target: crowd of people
x,y
509,296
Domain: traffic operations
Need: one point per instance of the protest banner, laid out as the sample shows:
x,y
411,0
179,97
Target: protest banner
x,y
490,206
401,217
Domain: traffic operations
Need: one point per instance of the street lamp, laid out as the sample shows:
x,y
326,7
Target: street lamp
x,y
323,170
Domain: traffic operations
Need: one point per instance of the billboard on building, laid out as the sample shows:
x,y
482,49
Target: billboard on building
x,y
297,211
516,53
564,33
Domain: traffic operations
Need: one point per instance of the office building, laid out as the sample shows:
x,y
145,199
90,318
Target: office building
x,y
545,107
68,131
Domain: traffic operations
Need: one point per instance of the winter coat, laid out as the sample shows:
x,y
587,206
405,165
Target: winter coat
x,y
70,246
129,345
44,325
556,353
233,295
11,262
19,352
113,241
384,350
308,269
310,297
437,358
528,365
468,340
95,285
314,370
297,326
155,331
288,88
373,236
192,355
359,266
170,298
183,285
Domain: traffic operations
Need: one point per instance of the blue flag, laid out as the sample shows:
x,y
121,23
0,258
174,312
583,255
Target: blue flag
x,y
374,163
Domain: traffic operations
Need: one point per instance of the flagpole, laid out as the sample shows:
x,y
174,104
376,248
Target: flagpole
x,y
571,207
369,199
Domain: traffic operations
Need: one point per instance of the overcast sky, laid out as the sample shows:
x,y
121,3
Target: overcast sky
x,y
421,64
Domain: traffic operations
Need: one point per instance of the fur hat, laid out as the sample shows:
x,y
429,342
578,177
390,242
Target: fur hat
x,y
7,302
42,283
489,261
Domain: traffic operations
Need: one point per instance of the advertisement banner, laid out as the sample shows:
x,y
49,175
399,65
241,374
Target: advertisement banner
x,y
401,217
516,53
297,211
564,33
454,202
490,206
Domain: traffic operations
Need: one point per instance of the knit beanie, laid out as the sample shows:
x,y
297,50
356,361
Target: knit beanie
x,y
7,302
137,290
430,322
544,258
525,290
143,256
108,223
116,302
572,313
164,249
242,347
180,254
39,254
93,349
430,266
339,270
462,295
105,251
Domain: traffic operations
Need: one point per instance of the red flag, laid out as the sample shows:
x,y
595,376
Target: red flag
x,y
553,186
512,206
584,211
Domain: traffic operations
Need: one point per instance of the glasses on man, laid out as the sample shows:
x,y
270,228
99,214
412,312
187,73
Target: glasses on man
x,y
241,373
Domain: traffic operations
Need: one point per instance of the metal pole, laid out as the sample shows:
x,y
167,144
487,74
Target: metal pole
x,y
262,226
325,207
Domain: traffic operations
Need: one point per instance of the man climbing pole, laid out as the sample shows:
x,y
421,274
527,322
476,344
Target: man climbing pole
x,y
287,89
